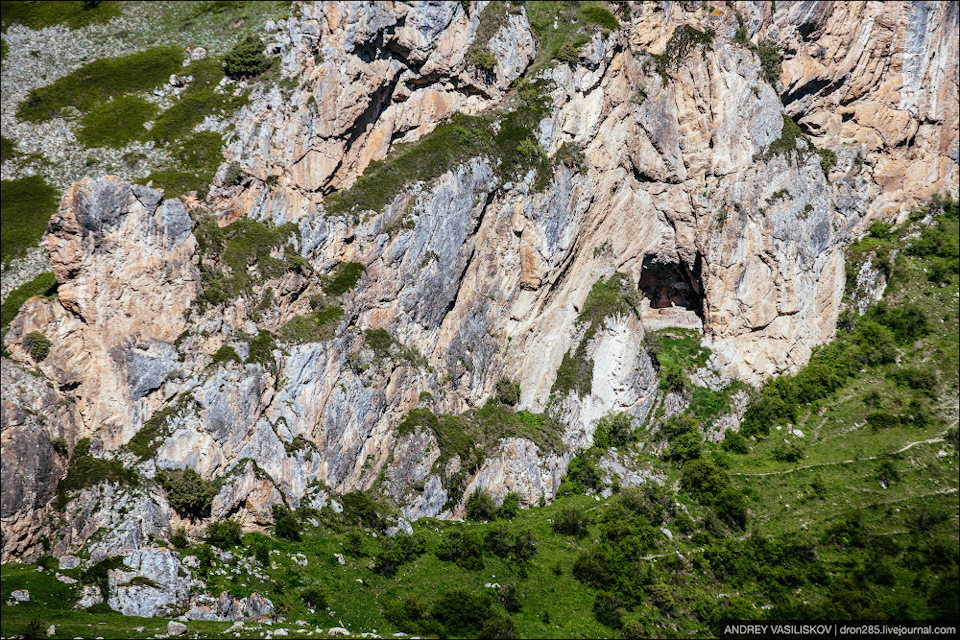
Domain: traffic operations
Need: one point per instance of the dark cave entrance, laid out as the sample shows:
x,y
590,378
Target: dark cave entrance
x,y
672,284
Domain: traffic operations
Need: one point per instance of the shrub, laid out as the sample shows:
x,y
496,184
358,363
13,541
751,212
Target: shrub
x,y
480,506
463,548
734,442
226,353
396,551
179,539
703,480
788,452
223,534
360,509
509,507
508,391
731,508
595,567
600,16
463,613
770,61
188,493
523,546
246,59
116,123
582,474
567,53
85,471
314,597
887,472
608,609
347,276
37,345
497,541
98,574
481,58
882,420
614,430
572,522
285,523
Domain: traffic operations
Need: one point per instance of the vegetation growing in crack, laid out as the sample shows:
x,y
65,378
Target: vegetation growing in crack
x,y
683,40
85,470
156,429
608,298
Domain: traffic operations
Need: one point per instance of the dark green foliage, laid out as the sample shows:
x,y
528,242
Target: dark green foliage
x,y
90,85
98,574
787,142
86,471
828,160
770,61
567,53
360,509
509,507
676,351
731,508
43,285
575,373
261,350
508,391
463,613
179,539
347,276
582,475
788,452
703,480
915,378
188,493
238,247
226,353
73,14
225,533
285,523
480,506
246,59
37,345
8,149
571,522
116,123
734,442
314,597
25,209
608,609
682,41
462,547
614,430
481,58
157,428
396,551
600,16
882,420
887,472
706,404
509,596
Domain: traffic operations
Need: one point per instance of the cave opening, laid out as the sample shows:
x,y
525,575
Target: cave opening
x,y
670,284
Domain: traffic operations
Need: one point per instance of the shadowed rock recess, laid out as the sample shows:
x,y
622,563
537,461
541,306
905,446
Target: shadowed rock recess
x,y
370,297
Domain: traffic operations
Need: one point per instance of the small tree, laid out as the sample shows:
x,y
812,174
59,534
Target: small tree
x,y
510,506
246,59
480,506
508,391
37,345
314,597
285,523
223,534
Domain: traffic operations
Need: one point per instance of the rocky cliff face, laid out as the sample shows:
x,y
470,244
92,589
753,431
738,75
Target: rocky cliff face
x,y
693,184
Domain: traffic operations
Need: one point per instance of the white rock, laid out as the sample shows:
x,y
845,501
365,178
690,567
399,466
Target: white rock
x,y
21,595
175,628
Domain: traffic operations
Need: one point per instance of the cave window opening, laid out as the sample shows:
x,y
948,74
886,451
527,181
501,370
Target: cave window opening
x,y
669,284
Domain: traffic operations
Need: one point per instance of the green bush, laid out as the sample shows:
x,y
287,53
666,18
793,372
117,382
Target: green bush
x,y
600,16
285,523
608,609
396,551
92,84
187,492
463,613
98,574
770,61
703,480
223,534
314,598
462,547
85,471
37,15
226,353
614,430
347,276
882,420
508,391
37,345
481,58
731,508
734,442
509,508
788,452
571,521
26,206
246,59
480,506
179,539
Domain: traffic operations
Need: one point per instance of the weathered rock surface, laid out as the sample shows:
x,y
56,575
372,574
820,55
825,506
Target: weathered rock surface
x,y
156,584
687,187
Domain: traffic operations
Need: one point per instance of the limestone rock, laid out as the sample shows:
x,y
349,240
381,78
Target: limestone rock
x,y
175,628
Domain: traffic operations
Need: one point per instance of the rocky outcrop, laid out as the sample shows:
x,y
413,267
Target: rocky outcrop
x,y
155,583
693,184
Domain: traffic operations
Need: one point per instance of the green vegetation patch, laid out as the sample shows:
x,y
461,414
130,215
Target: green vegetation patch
x,y
607,298
789,136
683,40
44,284
676,353
561,28
492,18
156,429
116,123
26,206
37,15
246,59
37,345
196,160
86,471
239,248
313,327
8,149
188,493
90,85
346,277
